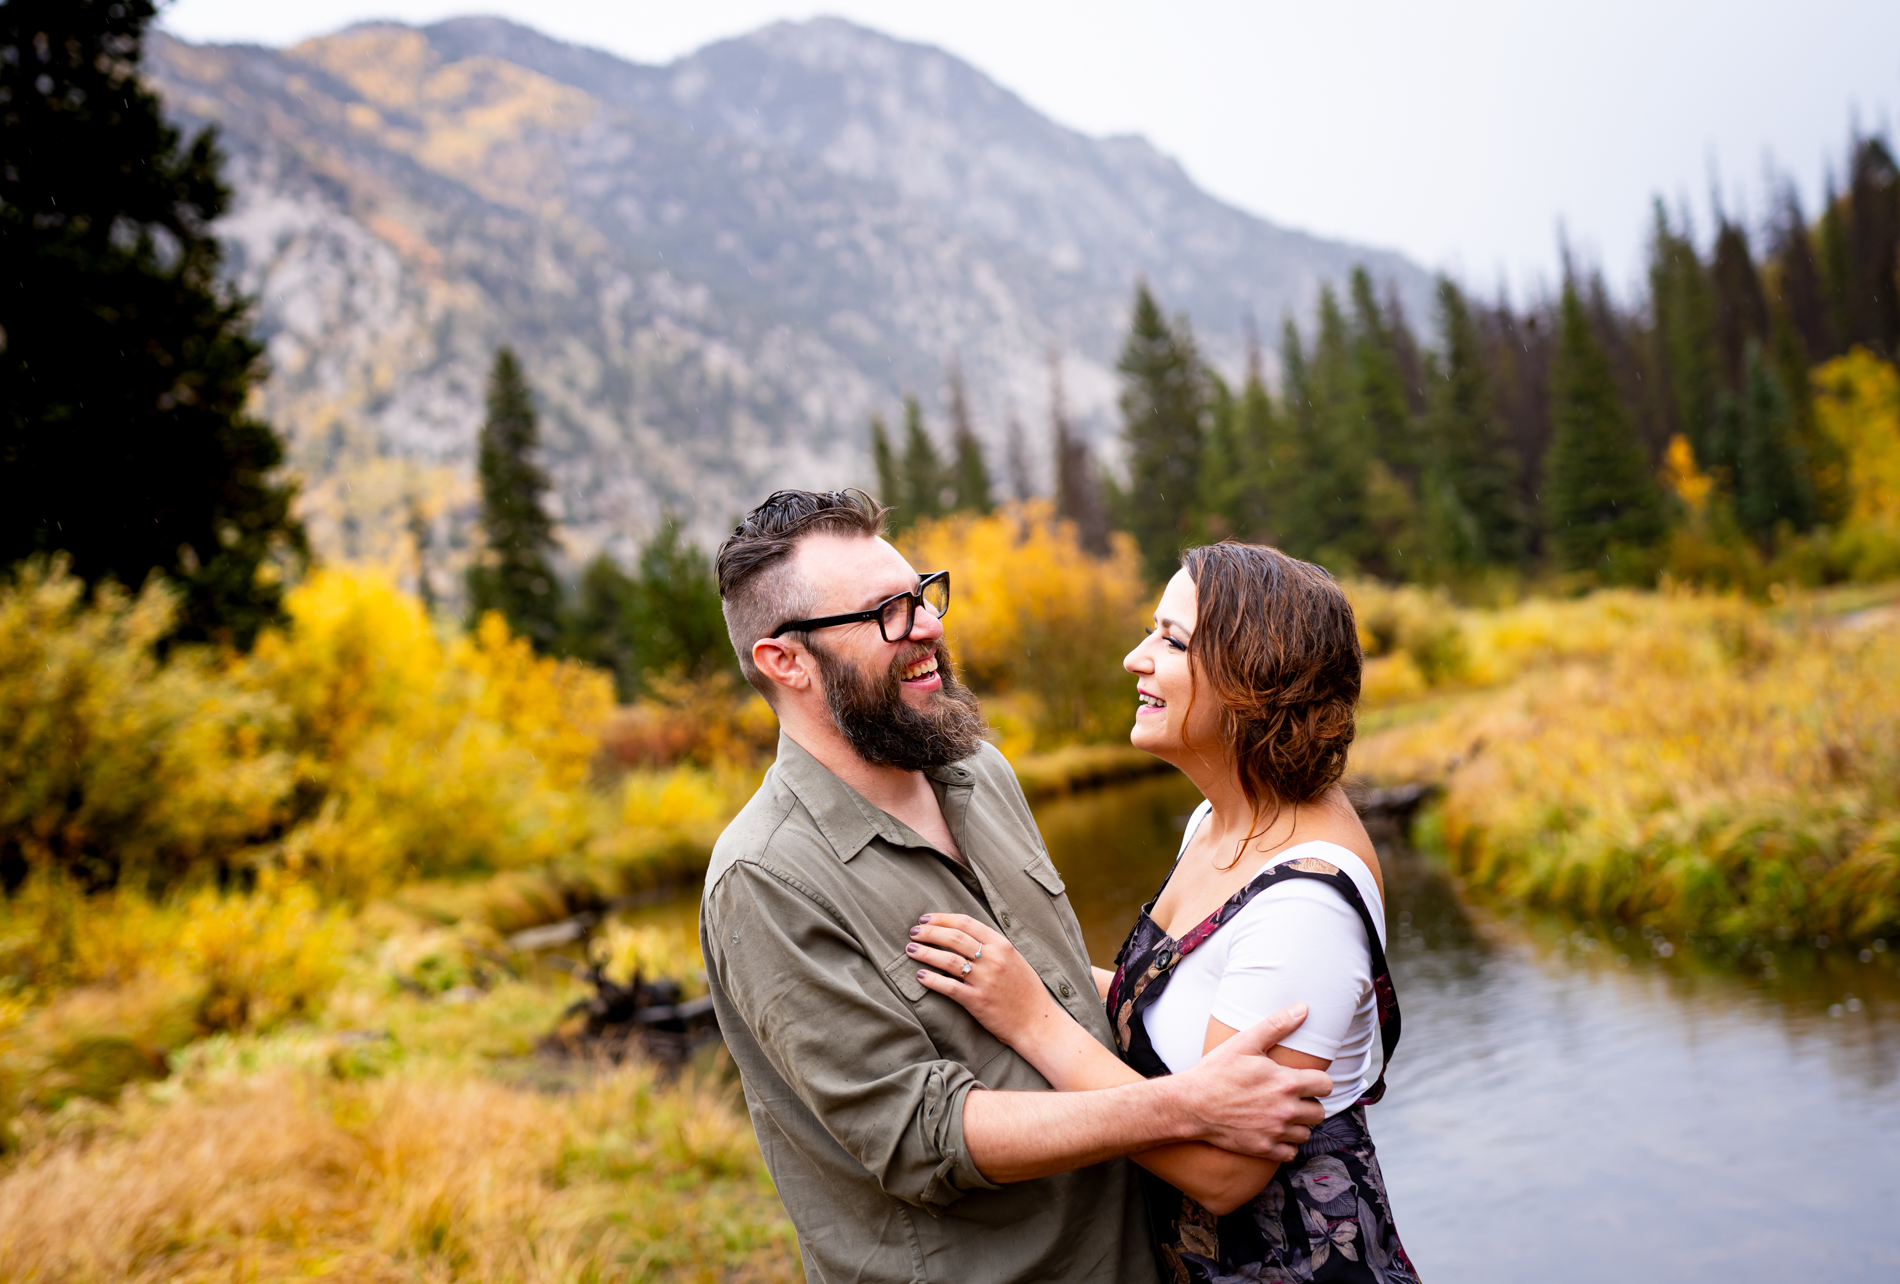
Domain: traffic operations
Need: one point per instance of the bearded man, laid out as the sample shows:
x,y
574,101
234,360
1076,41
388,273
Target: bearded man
x,y
907,1143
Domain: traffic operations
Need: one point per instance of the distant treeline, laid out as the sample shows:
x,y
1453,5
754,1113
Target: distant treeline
x,y
1561,436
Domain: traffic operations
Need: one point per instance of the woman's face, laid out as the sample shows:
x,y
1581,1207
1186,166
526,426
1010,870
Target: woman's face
x,y
1168,717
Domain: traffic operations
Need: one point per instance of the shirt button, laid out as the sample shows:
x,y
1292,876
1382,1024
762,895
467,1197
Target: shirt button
x,y
1005,920
1066,991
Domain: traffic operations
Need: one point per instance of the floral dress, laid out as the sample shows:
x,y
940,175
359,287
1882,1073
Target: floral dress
x,y
1325,1215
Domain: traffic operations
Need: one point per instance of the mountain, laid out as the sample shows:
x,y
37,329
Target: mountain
x,y
714,271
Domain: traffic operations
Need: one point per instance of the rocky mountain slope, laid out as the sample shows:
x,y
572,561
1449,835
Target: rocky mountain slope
x,y
714,271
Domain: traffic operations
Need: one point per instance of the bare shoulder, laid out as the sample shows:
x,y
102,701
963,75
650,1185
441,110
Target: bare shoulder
x,y
1338,823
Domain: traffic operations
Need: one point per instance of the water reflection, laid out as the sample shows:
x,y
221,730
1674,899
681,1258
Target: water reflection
x,y
1569,1103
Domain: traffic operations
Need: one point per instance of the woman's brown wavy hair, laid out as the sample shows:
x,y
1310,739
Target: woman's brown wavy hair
x,y
1276,642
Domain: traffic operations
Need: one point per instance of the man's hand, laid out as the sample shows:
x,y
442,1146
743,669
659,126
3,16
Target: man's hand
x,y
1247,1103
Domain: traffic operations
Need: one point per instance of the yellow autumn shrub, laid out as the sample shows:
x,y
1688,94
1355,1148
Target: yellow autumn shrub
x,y
1703,763
1037,624
115,764
429,755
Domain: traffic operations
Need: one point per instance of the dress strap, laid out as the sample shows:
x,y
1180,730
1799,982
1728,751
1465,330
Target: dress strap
x,y
1148,958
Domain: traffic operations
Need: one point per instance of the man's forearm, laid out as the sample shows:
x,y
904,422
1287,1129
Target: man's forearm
x,y
1017,1136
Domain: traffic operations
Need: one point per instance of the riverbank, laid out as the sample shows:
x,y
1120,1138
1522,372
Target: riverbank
x,y
1694,765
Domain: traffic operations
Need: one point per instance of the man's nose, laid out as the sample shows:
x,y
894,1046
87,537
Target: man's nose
x,y
926,626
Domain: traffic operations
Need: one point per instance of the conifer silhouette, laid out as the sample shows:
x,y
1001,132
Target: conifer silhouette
x,y
125,364
515,575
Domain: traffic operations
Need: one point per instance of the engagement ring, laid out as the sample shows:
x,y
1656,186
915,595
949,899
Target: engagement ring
x,y
966,969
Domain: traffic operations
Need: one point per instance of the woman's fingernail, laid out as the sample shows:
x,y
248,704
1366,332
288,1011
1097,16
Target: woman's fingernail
x,y
920,974
910,949
915,930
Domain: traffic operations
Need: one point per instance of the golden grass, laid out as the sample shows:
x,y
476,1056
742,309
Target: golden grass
x,y
396,1154
1702,764
288,1174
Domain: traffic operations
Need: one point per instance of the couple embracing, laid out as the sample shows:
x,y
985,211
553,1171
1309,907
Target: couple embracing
x,y
943,1087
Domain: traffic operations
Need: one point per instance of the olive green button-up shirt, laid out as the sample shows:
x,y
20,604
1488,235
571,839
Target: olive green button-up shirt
x,y
856,1075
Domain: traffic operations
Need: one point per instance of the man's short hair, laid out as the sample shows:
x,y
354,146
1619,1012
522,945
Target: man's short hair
x,y
758,589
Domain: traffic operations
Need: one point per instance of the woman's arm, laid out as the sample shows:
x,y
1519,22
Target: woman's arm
x,y
1007,996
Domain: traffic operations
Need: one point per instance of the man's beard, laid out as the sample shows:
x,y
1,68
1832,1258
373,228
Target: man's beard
x,y
888,731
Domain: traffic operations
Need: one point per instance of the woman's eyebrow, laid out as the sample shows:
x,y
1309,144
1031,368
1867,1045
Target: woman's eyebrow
x,y
1166,623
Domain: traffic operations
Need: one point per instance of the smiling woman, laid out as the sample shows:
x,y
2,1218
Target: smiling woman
x,y
1246,683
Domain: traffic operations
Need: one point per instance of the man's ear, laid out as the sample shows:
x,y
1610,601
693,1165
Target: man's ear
x,y
784,662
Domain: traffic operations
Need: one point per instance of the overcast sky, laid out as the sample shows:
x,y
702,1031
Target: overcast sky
x,y
1463,132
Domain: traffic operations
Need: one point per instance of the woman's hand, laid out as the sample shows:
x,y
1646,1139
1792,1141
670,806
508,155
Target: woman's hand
x,y
980,969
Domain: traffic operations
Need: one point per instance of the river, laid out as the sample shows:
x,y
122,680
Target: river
x,y
1570,1106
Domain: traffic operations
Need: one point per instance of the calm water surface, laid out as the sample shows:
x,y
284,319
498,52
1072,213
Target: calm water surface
x,y
1569,1106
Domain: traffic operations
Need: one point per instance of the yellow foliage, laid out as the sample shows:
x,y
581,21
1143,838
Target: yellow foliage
x,y
261,958
430,756
1697,762
1411,637
683,795
253,958
1690,484
1036,619
658,946
1857,399
114,764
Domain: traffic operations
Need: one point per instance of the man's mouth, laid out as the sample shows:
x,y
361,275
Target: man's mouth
x,y
922,667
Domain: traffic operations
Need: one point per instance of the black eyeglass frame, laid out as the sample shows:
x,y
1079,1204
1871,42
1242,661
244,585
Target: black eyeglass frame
x,y
876,613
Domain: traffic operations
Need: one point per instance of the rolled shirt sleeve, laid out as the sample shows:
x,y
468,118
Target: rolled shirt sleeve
x,y
850,1047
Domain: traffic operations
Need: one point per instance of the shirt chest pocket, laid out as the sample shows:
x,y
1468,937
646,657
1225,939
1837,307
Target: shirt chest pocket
x,y
957,1035
1045,874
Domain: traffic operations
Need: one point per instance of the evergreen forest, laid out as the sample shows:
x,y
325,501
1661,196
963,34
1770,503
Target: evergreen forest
x,y
1579,439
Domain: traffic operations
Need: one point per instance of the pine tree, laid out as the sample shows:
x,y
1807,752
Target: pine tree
x,y
1771,482
1016,460
924,481
1519,352
600,630
970,475
422,541
1741,306
1334,445
1382,394
1296,504
1825,476
1873,198
1837,263
516,573
1265,451
1163,404
664,619
677,624
1223,471
1603,505
1684,320
1079,496
1471,509
890,484
125,364
1800,289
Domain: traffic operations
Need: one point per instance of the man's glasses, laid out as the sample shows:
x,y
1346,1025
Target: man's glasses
x,y
895,616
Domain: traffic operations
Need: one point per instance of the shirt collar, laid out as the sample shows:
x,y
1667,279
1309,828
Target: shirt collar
x,y
842,814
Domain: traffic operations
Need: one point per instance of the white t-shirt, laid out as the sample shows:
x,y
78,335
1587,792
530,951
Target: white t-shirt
x,y
1297,942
